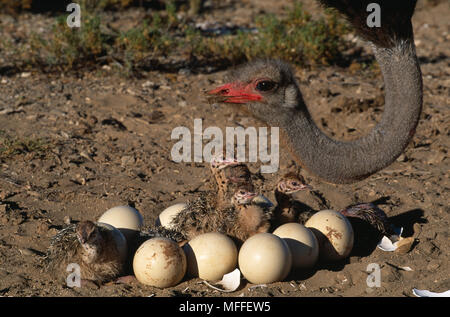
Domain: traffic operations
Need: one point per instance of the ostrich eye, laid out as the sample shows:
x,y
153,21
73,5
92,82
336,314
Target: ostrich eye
x,y
265,85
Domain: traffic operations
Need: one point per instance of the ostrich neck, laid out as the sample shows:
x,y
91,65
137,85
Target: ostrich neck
x,y
347,162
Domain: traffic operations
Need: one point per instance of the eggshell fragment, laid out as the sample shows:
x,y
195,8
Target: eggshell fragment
x,y
265,258
230,282
210,256
426,293
126,219
159,262
334,234
302,243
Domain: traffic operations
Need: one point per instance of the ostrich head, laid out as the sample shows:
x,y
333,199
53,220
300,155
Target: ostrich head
x,y
265,88
243,195
292,183
89,236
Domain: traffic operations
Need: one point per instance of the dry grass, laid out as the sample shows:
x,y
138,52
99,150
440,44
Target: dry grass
x,y
12,146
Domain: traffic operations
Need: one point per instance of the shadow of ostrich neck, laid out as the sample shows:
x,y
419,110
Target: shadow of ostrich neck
x,y
347,162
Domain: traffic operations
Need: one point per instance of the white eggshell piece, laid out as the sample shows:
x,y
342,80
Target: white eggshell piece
x,y
230,282
334,234
210,256
159,262
125,218
265,258
426,293
166,216
302,243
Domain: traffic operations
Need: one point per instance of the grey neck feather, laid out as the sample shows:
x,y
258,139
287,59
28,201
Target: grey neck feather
x,y
347,162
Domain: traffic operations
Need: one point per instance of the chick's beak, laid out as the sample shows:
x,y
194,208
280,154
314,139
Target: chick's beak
x,y
249,196
81,239
305,187
299,188
233,93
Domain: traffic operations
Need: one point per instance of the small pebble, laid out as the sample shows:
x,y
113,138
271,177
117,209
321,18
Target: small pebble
x,y
67,220
184,71
432,266
26,252
127,160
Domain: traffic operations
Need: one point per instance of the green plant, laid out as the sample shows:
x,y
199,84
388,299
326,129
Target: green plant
x,y
297,38
15,146
70,47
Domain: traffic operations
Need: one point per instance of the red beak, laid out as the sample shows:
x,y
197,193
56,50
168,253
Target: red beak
x,y
234,93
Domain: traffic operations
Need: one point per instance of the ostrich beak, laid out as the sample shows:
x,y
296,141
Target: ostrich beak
x,y
81,238
251,195
221,162
228,162
299,188
304,187
234,179
233,93
248,197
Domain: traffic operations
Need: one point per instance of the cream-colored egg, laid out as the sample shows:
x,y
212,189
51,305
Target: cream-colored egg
x,y
119,239
302,243
265,258
210,256
334,233
166,216
159,262
125,218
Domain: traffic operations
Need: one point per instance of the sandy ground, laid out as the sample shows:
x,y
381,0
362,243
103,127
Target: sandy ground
x,y
111,146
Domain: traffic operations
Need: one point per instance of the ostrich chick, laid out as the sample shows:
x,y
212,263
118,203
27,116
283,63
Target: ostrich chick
x,y
240,221
288,209
250,218
201,216
373,215
228,173
99,249
213,210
